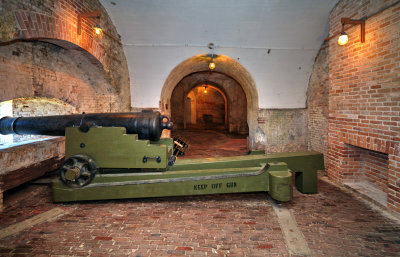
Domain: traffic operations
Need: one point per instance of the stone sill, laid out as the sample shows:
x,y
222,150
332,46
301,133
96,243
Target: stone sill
x,y
369,191
33,141
30,153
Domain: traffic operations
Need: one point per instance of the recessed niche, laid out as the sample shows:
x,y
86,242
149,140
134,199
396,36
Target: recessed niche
x,y
366,172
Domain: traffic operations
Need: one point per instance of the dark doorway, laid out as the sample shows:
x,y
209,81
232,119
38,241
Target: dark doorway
x,y
208,108
209,100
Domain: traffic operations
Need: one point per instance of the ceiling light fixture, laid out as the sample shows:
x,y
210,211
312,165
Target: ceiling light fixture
x,y
211,65
343,38
97,30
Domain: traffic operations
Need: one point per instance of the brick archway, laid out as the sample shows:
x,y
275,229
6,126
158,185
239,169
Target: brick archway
x,y
225,65
56,22
37,26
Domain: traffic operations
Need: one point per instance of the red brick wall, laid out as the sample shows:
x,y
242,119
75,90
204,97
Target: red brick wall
x,y
317,103
364,93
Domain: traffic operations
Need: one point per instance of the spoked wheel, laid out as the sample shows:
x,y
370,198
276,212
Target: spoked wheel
x,y
78,171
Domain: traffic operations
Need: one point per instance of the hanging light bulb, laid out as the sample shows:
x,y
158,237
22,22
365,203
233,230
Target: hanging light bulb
x,y
343,39
211,65
205,90
98,31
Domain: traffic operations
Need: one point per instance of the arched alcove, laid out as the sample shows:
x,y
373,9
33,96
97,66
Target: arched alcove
x,y
224,65
56,23
57,70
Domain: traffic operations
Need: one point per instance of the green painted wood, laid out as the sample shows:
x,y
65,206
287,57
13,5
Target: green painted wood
x,y
119,158
157,184
110,147
280,185
305,165
218,162
166,175
293,154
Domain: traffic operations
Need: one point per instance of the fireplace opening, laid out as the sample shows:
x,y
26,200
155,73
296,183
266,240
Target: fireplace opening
x,y
366,171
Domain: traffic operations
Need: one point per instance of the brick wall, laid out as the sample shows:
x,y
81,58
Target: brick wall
x,y
364,95
317,103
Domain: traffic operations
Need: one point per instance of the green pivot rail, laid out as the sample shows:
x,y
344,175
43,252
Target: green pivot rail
x,y
188,177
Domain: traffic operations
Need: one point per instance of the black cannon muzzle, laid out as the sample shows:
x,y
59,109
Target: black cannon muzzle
x,y
147,124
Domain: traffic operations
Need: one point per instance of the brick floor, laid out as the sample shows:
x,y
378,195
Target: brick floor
x,y
211,143
334,223
241,224
337,223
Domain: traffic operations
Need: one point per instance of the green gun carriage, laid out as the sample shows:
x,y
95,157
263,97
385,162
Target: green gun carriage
x,y
121,155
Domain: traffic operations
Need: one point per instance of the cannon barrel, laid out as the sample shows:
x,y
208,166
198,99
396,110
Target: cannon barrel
x,y
147,124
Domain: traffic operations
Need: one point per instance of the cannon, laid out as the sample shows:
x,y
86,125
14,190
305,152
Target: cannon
x,y
147,124
122,155
98,141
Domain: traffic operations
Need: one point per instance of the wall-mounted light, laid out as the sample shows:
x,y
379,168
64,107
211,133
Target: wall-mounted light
x,y
97,31
343,38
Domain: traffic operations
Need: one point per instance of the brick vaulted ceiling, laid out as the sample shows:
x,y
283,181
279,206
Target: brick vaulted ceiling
x,y
275,40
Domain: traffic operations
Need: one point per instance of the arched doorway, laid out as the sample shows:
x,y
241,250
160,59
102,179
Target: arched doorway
x,y
210,100
229,68
205,107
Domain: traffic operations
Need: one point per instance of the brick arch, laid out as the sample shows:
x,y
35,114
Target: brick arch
x,y
56,22
41,69
38,26
225,65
